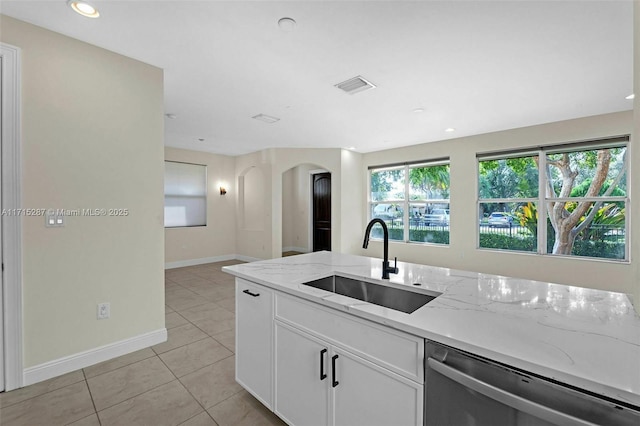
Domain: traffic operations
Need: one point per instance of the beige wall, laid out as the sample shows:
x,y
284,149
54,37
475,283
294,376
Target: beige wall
x,y
92,137
266,242
296,212
462,252
201,244
253,201
352,219
289,199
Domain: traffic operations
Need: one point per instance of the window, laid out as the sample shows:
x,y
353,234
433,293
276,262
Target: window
x,y
576,207
185,194
413,200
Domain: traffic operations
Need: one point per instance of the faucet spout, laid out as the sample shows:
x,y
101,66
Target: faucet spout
x,y
386,268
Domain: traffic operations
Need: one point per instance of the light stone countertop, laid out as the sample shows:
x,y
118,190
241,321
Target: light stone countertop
x,y
582,337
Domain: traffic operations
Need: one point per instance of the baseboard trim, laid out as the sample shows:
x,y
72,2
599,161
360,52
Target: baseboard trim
x,y
298,249
201,261
84,359
247,258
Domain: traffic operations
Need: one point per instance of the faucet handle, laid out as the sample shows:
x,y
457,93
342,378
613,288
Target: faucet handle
x,y
392,269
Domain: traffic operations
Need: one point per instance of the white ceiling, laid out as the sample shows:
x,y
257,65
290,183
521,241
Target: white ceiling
x,y
477,66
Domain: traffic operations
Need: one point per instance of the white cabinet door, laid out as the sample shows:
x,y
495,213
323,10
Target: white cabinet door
x,y
302,377
254,339
369,395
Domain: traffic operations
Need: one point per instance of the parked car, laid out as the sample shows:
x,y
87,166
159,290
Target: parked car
x,y
437,217
387,211
500,219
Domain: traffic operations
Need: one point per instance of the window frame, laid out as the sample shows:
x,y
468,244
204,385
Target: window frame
x,y
407,202
542,201
205,196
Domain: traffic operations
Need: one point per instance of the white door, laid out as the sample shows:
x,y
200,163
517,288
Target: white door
x,y
369,395
11,372
2,366
302,377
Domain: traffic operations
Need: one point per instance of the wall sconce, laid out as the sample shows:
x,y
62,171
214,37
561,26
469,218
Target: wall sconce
x,y
222,190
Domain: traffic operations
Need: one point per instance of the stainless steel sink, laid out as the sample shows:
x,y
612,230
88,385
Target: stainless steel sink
x,y
389,297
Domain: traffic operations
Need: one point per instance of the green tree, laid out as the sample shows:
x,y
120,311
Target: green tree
x,y
562,170
433,181
382,182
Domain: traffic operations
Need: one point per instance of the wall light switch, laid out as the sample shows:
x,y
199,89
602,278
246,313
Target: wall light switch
x,y
53,219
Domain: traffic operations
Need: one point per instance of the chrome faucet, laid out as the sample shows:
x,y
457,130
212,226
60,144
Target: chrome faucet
x,y
386,268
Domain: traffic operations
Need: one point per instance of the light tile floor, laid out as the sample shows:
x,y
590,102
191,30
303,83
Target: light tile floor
x,y
188,380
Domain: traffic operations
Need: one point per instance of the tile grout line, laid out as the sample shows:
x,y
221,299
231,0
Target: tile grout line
x,y
138,394
41,394
93,402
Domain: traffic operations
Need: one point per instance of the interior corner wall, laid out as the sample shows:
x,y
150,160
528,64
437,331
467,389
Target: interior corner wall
x,y
217,240
353,190
92,139
288,209
462,252
296,215
254,206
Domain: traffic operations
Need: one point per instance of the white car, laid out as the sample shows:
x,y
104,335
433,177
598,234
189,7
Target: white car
x,y
500,219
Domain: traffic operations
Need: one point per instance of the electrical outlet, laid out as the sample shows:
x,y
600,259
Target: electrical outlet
x,y
104,310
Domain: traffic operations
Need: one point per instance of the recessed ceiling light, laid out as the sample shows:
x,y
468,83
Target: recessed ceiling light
x,y
171,116
266,118
351,148
450,129
418,110
631,96
287,24
201,139
83,8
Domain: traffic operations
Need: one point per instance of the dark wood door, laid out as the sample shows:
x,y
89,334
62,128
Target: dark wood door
x,y
321,211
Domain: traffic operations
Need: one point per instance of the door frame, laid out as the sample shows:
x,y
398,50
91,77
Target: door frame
x,y
11,224
311,173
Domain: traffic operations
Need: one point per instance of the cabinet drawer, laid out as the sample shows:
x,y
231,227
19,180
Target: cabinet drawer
x,y
393,349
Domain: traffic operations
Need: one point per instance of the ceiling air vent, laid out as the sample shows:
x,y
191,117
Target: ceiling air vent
x,y
355,85
266,118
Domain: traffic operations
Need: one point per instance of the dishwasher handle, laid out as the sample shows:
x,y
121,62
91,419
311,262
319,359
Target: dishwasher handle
x,y
506,398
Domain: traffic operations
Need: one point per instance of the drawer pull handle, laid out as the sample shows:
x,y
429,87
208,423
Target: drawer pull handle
x,y
251,294
333,371
322,373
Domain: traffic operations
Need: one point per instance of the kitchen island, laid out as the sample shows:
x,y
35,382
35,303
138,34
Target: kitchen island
x,y
587,339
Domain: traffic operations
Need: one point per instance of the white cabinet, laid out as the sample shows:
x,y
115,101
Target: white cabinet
x,y
313,365
320,379
370,395
317,383
302,377
254,339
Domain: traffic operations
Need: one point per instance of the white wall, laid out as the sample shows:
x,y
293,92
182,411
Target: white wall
x,y
462,252
92,138
202,244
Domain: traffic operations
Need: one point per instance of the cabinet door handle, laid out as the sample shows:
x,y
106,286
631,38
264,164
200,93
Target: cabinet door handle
x,y
322,374
251,294
333,371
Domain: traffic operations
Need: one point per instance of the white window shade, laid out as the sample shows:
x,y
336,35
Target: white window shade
x,y
185,194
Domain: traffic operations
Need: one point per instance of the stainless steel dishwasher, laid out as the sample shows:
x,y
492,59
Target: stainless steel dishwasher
x,y
464,389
